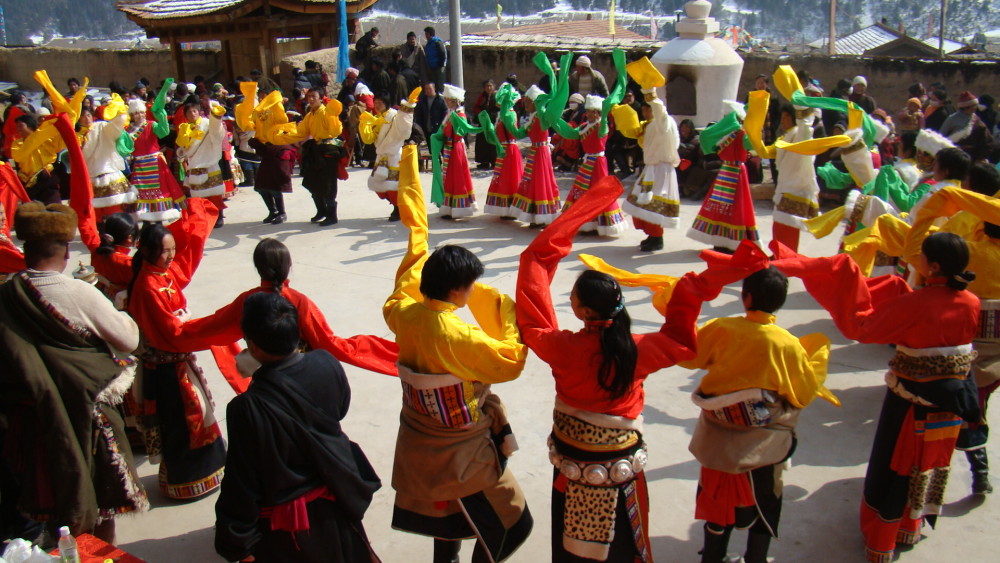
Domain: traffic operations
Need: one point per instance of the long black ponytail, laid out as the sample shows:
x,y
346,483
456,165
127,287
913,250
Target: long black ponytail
x,y
601,293
273,262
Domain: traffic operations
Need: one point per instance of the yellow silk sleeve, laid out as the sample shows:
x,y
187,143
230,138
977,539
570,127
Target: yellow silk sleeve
x,y
824,224
888,235
754,123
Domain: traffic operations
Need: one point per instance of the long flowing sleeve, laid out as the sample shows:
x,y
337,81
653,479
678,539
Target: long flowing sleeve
x,y
81,193
413,214
161,126
536,316
887,235
838,284
190,234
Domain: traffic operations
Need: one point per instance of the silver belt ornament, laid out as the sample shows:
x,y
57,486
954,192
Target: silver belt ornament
x,y
602,473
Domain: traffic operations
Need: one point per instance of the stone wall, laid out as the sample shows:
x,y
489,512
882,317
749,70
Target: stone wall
x,y
888,79
101,66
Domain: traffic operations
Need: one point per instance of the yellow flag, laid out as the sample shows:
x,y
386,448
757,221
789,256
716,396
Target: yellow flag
x,y
611,19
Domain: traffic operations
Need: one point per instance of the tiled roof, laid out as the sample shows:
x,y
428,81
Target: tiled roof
x,y
560,43
167,9
863,40
594,29
949,45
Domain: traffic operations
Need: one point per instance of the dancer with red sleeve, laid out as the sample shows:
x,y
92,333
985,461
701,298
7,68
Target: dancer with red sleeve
x,y
273,262
181,431
596,443
930,391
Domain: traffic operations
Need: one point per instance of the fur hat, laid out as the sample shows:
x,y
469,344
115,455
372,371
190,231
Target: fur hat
x,y
859,80
454,92
931,142
136,105
533,92
967,99
36,221
584,61
594,102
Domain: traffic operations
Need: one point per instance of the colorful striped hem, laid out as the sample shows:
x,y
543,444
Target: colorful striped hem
x,y
190,490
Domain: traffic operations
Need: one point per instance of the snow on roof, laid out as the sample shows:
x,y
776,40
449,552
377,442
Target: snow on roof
x,y
949,45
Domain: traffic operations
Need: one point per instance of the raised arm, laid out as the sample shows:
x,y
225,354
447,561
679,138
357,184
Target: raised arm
x,y
190,234
535,314
161,127
413,214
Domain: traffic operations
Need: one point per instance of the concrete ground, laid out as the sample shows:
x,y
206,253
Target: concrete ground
x,y
348,271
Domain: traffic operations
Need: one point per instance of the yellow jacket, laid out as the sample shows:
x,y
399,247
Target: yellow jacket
x,y
432,339
768,357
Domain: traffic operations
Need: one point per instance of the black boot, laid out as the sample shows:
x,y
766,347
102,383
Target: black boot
x,y
320,210
980,465
272,211
394,216
716,543
279,206
331,214
446,551
757,546
652,244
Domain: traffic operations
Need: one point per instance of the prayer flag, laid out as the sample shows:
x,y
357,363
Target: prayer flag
x,y
499,14
611,19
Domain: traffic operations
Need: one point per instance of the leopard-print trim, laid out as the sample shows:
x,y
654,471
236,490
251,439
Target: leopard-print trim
x,y
590,513
926,492
858,145
883,259
930,368
859,208
804,113
585,436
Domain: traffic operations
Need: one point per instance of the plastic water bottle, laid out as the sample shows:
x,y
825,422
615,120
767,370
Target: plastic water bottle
x,y
67,547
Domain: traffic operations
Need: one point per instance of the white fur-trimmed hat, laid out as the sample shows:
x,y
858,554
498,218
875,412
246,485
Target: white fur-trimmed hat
x,y
136,106
931,142
454,92
533,92
594,102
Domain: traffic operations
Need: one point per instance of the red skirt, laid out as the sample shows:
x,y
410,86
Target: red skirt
x,y
506,178
726,217
537,199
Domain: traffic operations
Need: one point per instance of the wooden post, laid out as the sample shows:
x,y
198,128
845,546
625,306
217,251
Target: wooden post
x,y
944,14
177,54
227,59
832,44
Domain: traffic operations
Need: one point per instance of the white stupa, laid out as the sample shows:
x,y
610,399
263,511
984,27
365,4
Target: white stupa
x,y
701,69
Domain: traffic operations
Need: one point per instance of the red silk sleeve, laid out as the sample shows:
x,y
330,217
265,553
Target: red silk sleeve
x,y
190,234
364,351
81,192
536,317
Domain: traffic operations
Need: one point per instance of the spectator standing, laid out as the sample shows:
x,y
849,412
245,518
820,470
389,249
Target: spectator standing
x,y
859,89
400,88
437,58
376,77
585,80
430,110
264,84
988,113
318,80
363,48
938,109
486,152
412,53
